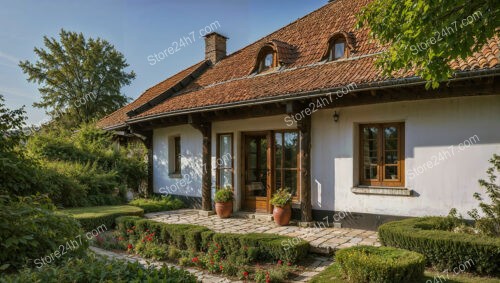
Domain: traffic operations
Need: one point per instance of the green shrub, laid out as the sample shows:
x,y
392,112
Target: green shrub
x,y
196,238
380,264
98,269
158,203
92,217
224,195
443,249
30,229
282,197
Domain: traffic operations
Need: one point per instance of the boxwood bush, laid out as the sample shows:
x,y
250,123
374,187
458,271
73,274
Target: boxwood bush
x,y
443,249
380,264
197,238
99,269
92,217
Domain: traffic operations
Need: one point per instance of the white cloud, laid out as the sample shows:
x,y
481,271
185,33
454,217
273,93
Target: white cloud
x,y
8,60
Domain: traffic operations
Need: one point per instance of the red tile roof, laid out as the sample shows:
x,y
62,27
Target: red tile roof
x,y
301,46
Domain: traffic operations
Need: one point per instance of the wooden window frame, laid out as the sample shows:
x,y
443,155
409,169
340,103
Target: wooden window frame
x,y
177,155
296,198
262,56
218,168
331,50
381,181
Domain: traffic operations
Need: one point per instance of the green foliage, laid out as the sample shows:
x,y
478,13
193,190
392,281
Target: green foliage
x,y
158,203
11,125
83,168
281,198
443,249
427,35
92,217
198,238
224,195
274,274
380,264
31,229
489,223
98,269
80,79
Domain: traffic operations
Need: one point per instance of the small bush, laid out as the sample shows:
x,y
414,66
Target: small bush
x,y
92,217
443,249
31,229
380,264
98,269
224,195
158,203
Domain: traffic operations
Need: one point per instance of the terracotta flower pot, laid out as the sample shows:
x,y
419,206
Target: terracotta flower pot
x,y
224,209
282,215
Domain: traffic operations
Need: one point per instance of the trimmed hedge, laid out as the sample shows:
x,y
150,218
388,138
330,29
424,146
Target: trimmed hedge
x,y
197,238
380,264
92,217
443,249
158,203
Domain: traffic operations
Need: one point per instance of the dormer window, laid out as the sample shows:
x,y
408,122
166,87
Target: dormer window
x,y
339,46
266,60
337,50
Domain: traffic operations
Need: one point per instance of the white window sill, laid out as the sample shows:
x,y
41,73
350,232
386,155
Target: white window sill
x,y
385,191
175,175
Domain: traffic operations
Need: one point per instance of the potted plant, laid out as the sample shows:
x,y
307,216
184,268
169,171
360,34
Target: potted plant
x,y
282,211
224,202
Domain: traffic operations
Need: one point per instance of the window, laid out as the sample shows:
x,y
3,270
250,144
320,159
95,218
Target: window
x,y
266,59
177,156
286,152
337,50
224,161
382,154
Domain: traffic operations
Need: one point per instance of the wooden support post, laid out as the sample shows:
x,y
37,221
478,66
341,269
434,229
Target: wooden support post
x,y
206,192
148,143
304,127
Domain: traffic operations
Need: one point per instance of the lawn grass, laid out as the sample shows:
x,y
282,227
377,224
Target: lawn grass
x,y
95,216
97,211
333,274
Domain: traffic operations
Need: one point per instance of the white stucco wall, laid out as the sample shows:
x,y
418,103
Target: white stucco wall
x,y
431,127
191,163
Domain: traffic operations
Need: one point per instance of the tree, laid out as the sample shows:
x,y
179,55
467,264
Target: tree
x,y
80,79
489,223
11,127
426,35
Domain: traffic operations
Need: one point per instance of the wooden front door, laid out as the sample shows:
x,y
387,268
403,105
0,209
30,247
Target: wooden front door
x,y
256,171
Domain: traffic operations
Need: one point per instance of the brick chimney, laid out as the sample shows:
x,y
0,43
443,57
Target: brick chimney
x,y
215,47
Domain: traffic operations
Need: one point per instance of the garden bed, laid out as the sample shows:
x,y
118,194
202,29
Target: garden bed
x,y
258,257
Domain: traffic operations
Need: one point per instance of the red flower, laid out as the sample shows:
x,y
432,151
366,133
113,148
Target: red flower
x,y
130,246
280,262
221,267
289,264
195,259
245,273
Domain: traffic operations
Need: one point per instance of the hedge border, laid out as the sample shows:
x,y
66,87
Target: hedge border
x,y
443,249
197,238
380,264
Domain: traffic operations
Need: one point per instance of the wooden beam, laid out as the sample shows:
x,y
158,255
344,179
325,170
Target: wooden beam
x,y
304,127
205,128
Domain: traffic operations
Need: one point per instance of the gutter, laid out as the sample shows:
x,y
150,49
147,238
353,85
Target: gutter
x,y
397,83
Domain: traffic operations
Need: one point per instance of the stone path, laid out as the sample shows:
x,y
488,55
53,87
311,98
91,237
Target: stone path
x,y
318,265
322,239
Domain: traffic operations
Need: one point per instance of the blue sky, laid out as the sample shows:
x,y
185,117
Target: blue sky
x,y
137,29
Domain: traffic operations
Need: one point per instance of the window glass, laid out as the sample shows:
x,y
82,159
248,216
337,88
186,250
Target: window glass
x,y
224,161
177,152
339,50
